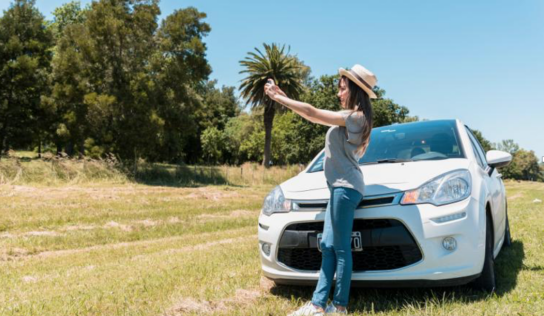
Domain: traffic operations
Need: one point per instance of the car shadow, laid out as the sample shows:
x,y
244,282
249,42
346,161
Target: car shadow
x,y
372,300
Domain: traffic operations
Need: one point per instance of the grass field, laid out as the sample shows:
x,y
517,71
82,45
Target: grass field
x,y
123,248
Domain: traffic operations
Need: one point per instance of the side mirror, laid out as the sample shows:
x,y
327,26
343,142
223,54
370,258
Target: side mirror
x,y
497,158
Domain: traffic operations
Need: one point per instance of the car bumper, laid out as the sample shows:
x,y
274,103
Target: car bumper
x,y
438,266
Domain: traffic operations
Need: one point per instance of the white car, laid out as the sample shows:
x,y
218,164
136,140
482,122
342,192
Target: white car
x,y
434,212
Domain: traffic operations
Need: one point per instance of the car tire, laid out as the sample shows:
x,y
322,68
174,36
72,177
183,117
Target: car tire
x,y
507,235
486,280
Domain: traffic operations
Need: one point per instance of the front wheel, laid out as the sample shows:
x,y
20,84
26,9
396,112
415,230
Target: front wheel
x,y
486,280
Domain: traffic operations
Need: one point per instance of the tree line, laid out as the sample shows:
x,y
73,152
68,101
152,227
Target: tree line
x,y
110,78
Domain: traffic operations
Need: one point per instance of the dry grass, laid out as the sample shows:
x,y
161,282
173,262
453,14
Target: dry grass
x,y
109,248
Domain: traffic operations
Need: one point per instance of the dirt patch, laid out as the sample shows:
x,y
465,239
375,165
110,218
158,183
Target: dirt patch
x,y
113,224
266,284
241,298
244,297
19,253
125,227
42,233
148,222
94,193
174,220
6,235
29,279
233,214
207,245
515,196
102,197
243,213
211,216
211,194
13,254
23,189
80,227
189,305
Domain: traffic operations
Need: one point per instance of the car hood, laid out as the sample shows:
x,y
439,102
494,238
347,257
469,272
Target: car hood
x,y
380,179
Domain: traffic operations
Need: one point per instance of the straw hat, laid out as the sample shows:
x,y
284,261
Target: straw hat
x,y
361,76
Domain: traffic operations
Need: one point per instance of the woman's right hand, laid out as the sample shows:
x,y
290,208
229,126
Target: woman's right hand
x,y
272,90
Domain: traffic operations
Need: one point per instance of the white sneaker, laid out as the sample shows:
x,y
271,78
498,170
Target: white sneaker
x,y
331,309
308,309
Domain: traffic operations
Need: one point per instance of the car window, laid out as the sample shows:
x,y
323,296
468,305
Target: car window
x,y
426,140
318,164
478,150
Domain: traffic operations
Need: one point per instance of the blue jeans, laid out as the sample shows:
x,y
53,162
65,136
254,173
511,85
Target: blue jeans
x,y
336,247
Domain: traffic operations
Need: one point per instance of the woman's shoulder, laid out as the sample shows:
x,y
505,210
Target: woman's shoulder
x,y
351,114
354,119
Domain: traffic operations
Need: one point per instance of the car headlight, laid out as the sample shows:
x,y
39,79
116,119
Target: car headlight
x,y
275,202
450,187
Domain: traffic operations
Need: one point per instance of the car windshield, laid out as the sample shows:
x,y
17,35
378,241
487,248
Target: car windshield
x,y
427,140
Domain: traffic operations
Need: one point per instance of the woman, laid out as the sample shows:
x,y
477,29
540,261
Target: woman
x,y
345,143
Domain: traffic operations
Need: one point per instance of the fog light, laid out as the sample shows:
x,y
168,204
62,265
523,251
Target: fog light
x,y
449,243
266,248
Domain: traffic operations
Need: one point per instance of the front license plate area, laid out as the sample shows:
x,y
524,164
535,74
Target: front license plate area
x,y
356,244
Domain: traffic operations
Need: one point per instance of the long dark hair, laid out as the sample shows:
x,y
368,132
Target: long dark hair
x,y
358,100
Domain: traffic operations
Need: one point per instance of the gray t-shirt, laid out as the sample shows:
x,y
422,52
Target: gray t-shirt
x,y
341,160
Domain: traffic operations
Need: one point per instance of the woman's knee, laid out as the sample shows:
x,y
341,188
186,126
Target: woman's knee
x,y
326,247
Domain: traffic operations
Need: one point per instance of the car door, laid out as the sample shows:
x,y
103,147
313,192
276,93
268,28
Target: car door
x,y
494,186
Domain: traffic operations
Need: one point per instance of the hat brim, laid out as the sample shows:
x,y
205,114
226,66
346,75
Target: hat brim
x,y
347,74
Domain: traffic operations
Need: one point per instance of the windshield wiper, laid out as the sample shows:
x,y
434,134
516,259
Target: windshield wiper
x,y
392,160
388,160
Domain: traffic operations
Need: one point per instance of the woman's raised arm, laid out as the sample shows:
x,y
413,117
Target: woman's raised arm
x,y
307,111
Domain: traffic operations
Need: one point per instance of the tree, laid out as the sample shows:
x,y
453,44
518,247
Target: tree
x,y
213,142
67,14
218,106
25,57
236,132
277,64
524,164
528,165
180,67
508,145
67,126
386,111
487,145
122,84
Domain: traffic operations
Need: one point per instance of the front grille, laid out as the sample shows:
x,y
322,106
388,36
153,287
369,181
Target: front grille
x,y
371,201
358,225
370,259
378,201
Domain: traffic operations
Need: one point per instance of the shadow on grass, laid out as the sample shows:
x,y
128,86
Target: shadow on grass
x,y
180,176
370,300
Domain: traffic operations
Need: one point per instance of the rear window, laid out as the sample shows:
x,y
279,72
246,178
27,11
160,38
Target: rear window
x,y
427,140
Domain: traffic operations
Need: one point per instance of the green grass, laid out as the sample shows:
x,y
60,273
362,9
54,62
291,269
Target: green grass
x,y
124,248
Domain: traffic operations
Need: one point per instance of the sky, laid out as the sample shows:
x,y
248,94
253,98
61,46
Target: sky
x,y
478,61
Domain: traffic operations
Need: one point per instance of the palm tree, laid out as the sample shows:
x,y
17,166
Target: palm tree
x,y
286,71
